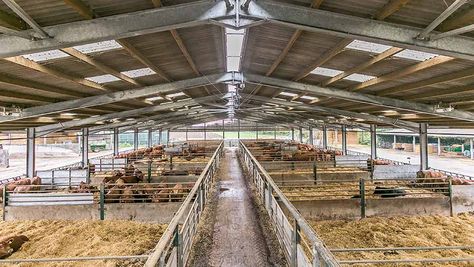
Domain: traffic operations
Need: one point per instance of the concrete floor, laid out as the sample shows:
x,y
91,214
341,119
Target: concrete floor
x,y
237,239
458,165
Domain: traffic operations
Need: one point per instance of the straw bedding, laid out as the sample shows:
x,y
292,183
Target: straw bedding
x,y
400,232
347,190
53,239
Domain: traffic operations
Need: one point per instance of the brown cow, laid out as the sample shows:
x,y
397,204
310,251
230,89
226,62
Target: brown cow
x,y
10,244
127,195
113,195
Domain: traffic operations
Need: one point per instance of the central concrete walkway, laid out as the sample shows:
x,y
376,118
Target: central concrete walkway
x,y
237,239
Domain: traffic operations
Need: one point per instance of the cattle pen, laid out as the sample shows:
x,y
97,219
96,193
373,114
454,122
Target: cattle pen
x,y
236,133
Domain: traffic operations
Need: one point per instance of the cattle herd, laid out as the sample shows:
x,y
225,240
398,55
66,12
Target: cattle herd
x,y
23,185
127,186
433,177
290,151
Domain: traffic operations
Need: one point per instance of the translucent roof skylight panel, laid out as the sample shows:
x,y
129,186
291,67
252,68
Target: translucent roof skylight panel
x,y
103,78
288,94
139,72
98,47
415,55
326,72
47,55
155,98
234,44
232,31
176,94
368,46
359,77
309,97
233,63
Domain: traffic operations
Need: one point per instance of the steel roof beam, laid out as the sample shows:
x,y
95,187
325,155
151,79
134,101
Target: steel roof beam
x,y
117,27
347,26
378,119
442,17
43,130
144,121
118,96
358,97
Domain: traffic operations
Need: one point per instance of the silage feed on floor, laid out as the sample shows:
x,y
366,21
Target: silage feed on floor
x,y
400,232
58,238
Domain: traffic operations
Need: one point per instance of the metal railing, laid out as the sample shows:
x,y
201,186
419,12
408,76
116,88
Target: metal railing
x,y
174,247
301,245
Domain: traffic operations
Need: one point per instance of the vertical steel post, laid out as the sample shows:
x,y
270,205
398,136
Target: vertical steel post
x,y
30,152
362,197
149,171
424,146
414,143
311,136
135,139
292,134
256,130
373,141
325,137
275,133
160,136
150,137
186,134
102,202
344,139
301,135
85,147
394,141
116,141
4,202
450,191
238,129
179,247
223,129
471,145
439,146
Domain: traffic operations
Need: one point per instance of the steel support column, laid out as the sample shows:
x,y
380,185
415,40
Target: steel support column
x,y
238,129
85,147
186,133
116,141
344,139
439,146
325,137
293,134
423,146
301,135
256,130
135,139
30,152
160,136
373,141
471,143
150,137
311,136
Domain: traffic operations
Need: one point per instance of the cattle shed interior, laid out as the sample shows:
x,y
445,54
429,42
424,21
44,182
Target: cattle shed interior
x,y
237,132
